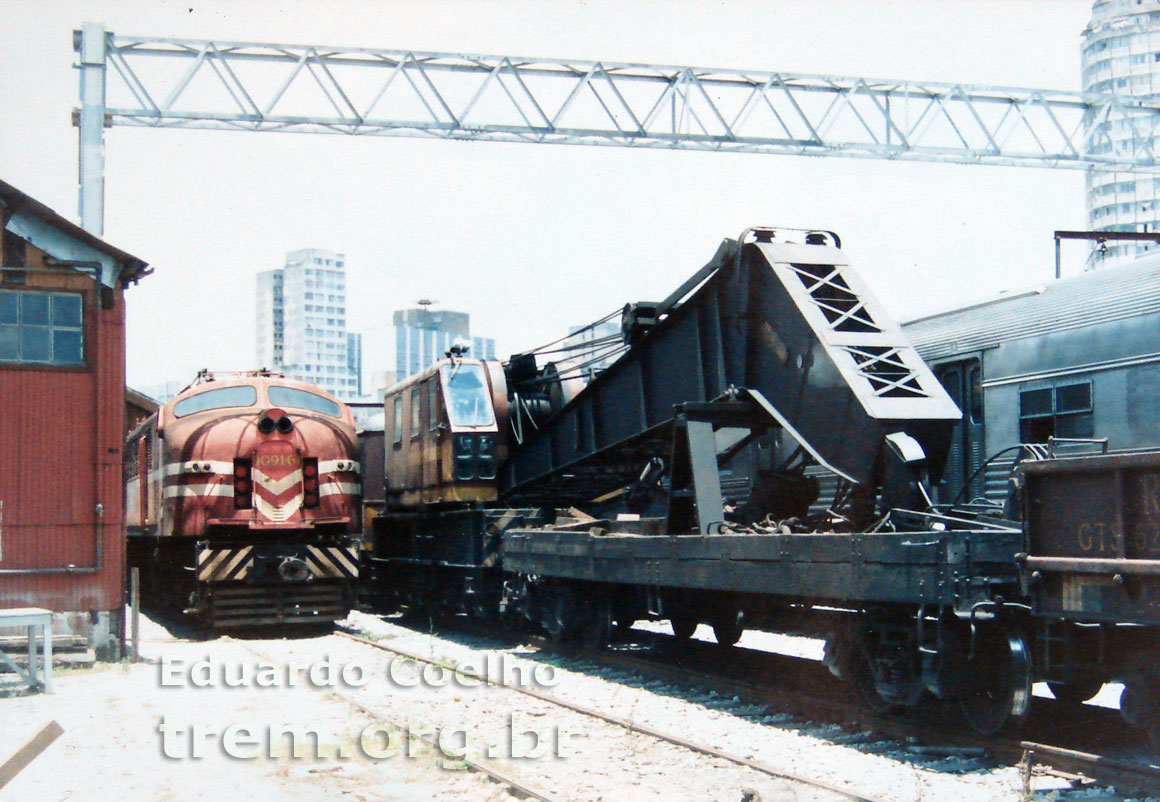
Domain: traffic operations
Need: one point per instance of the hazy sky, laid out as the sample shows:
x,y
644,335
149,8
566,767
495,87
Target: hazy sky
x,y
530,239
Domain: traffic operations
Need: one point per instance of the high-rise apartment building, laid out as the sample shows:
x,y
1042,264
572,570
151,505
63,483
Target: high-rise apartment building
x,y
301,322
424,335
1121,55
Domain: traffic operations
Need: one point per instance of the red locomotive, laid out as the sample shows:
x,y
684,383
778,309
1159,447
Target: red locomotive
x,y
243,502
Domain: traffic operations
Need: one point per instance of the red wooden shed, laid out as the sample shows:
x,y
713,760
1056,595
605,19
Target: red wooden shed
x,y
62,407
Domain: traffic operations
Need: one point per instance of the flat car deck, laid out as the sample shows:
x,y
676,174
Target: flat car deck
x,y
958,567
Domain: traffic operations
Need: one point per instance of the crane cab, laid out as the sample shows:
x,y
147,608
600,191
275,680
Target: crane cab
x,y
445,434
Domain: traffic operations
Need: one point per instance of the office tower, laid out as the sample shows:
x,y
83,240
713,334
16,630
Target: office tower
x,y
424,335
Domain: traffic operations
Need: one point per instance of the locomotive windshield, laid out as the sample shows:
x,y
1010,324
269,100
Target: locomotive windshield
x,y
293,397
468,400
242,396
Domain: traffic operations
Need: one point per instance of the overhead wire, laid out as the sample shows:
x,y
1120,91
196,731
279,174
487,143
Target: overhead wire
x,y
581,330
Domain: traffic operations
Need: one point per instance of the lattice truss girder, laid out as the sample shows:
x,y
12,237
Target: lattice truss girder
x,y
272,87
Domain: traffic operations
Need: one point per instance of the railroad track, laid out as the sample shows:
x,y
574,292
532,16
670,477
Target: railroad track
x,y
631,726
1064,761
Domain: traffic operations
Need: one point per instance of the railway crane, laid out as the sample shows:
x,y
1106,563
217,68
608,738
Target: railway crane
x,y
760,455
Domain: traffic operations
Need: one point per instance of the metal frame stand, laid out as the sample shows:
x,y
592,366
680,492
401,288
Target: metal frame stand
x,y
30,618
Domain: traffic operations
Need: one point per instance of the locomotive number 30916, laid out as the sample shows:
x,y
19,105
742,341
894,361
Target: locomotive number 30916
x,y
277,461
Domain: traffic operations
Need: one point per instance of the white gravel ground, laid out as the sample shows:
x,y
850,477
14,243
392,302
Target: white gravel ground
x,y
113,748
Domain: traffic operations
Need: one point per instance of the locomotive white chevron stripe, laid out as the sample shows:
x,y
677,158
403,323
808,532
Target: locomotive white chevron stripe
x,y
278,513
277,486
219,565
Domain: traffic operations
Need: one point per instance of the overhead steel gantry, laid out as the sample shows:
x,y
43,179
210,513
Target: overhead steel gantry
x,y
184,83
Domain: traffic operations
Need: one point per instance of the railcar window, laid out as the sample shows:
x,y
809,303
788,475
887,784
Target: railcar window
x,y
1073,398
221,398
975,389
468,400
1062,411
41,328
1035,403
433,405
416,408
293,397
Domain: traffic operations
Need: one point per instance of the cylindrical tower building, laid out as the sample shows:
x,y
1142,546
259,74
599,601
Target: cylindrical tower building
x,y
1121,55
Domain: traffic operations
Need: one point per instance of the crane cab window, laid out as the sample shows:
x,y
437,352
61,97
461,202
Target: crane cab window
x,y
397,420
433,405
468,400
416,408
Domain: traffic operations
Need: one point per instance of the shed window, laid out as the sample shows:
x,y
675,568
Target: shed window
x,y
41,328
1061,411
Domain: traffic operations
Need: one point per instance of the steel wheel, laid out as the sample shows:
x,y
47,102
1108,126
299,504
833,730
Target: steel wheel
x,y
683,626
728,627
1001,680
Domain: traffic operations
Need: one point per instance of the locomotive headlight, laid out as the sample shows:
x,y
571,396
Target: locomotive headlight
x,y
464,444
486,444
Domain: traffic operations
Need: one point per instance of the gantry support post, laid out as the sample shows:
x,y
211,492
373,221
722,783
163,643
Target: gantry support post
x,y
90,45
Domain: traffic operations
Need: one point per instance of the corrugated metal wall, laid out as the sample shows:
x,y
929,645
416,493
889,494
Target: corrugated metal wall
x,y
60,456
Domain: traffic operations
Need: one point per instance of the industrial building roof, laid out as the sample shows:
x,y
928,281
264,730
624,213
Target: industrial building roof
x,y
17,202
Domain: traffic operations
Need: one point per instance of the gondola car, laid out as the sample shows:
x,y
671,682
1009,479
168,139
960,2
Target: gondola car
x,y
243,502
